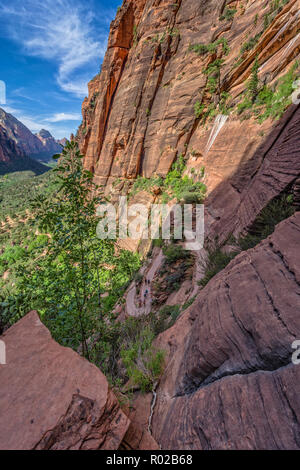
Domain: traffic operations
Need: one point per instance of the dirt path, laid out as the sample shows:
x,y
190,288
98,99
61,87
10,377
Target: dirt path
x,y
137,305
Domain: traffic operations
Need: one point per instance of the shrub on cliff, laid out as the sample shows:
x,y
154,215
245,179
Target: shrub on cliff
x,y
216,262
228,14
275,212
143,365
253,85
174,253
264,225
190,197
250,44
211,48
174,186
265,102
275,103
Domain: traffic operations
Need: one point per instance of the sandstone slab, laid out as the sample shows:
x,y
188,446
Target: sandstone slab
x,y
51,398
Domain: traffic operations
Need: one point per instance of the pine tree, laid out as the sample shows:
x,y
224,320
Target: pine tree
x,y
253,84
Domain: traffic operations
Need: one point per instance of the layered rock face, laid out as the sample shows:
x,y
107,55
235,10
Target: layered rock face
x,y
8,148
51,398
140,111
273,167
40,146
230,382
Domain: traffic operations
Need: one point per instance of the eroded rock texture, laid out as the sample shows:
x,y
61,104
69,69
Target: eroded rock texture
x,y
140,111
230,382
8,148
51,398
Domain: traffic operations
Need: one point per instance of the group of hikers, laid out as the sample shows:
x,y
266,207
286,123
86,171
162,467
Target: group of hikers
x,y
146,293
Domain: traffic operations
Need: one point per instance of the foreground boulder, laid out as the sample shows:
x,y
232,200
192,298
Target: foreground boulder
x,y
51,398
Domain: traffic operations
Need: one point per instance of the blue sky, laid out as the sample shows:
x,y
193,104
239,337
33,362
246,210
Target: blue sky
x,y
49,51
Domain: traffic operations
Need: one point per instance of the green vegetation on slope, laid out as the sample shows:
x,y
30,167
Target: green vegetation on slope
x,y
275,212
23,164
17,189
211,48
228,14
176,185
58,266
264,102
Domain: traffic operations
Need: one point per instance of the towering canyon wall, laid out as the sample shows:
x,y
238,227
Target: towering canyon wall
x,y
140,111
230,382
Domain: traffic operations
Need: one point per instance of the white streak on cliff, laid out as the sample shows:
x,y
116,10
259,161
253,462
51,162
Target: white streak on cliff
x,y
218,124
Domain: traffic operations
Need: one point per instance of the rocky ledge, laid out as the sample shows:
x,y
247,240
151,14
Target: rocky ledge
x,y
230,382
51,398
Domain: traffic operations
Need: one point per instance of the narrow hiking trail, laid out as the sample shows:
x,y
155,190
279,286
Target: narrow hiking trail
x,y
141,304
137,304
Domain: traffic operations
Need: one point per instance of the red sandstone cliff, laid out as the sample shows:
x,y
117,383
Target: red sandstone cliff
x,y
53,399
140,111
230,382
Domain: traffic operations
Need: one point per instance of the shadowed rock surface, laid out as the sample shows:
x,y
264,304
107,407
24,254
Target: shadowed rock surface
x,y
273,168
13,158
230,381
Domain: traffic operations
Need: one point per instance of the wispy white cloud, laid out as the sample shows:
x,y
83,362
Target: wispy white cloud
x,y
59,117
21,93
62,31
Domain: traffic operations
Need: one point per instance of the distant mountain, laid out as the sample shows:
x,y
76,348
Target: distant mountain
x,y
39,146
50,145
63,141
13,158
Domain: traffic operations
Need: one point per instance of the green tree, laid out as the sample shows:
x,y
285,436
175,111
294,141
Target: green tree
x,y
253,85
67,282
